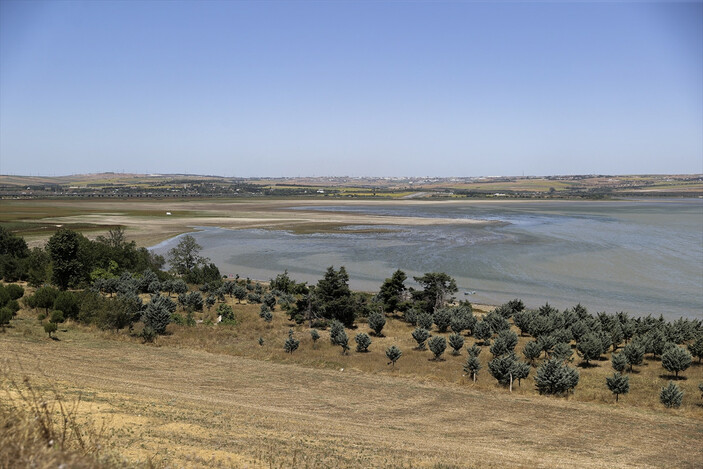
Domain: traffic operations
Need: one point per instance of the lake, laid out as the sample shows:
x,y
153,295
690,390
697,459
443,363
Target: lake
x,y
640,256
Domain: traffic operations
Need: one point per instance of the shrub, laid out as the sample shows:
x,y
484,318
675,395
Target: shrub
x,y
393,353
420,335
5,316
618,384
270,300
438,345
50,328
472,366
376,323
67,302
57,316
362,342
315,336
268,316
456,342
676,359
619,362
291,344
261,341
226,312
555,377
15,291
148,334
671,395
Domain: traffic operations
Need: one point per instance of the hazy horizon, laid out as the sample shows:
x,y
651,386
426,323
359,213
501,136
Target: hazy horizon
x,y
285,89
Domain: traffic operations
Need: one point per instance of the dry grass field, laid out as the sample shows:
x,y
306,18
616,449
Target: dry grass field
x,y
211,396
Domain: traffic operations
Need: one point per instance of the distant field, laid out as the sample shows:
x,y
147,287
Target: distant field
x,y
186,407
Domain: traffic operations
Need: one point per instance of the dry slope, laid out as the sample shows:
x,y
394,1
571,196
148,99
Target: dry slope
x,y
193,408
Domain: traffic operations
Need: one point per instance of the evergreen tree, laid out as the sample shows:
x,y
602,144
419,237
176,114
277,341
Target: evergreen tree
x,y
376,323
618,384
676,359
425,321
472,366
336,328
50,328
456,342
562,351
520,371
268,316
474,350
420,335
619,362
590,348
442,319
315,336
634,354
362,342
392,290
546,344
554,377
5,316
696,348
531,351
483,332
497,322
671,395
501,368
438,345
157,314
393,353
261,341
343,341
291,344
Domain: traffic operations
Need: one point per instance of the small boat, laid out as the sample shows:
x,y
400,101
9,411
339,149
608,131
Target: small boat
x,y
472,292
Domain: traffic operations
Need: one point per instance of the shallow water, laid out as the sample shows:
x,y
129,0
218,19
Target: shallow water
x,y
637,256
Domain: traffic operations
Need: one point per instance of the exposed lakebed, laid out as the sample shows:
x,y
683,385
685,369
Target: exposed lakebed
x,y
642,256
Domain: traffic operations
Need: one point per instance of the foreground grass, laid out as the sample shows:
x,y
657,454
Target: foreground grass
x,y
254,406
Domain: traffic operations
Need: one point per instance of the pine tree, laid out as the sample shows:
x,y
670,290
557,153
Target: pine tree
x,y
619,362
531,351
474,350
554,377
472,366
157,313
520,371
618,384
442,319
456,342
671,395
546,343
501,368
315,336
562,351
589,348
362,342
634,354
483,332
438,345
676,359
343,341
291,344
336,328
696,348
393,353
376,323
420,335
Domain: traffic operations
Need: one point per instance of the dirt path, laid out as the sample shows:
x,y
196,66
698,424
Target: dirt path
x,y
209,408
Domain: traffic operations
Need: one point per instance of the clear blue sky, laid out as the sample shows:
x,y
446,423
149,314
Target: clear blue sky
x,y
351,88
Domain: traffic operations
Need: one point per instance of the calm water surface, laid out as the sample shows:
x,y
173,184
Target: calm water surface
x,y
637,256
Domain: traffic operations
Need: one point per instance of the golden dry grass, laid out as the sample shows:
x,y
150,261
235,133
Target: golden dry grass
x,y
209,396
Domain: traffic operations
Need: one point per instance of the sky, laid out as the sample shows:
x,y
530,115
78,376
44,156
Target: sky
x,y
298,88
